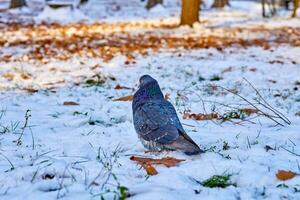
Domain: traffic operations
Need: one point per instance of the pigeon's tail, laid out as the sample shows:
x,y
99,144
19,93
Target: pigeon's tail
x,y
187,145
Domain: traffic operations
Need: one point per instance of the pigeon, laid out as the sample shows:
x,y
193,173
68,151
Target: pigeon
x,y
156,121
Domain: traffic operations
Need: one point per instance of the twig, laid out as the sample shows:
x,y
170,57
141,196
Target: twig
x,y
32,137
267,105
58,196
34,175
12,166
291,152
27,116
254,106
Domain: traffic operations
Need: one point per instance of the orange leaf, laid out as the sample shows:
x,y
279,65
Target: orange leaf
x,y
126,98
70,103
201,116
147,163
149,169
119,87
285,175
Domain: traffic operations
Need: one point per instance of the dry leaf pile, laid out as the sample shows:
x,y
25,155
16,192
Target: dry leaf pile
x,y
104,40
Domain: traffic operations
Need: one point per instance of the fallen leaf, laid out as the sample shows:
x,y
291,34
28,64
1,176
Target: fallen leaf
x,y
130,97
285,175
70,103
297,113
8,76
253,69
272,81
276,62
248,111
149,169
167,96
228,69
119,87
25,76
201,116
147,163
31,90
126,98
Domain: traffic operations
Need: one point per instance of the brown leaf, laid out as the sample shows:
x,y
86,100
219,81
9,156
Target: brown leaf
x,y
119,87
272,81
201,116
297,113
70,103
147,163
25,76
8,76
276,61
31,90
285,175
248,111
228,69
126,98
253,69
167,96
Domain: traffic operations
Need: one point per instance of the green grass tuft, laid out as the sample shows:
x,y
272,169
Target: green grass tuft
x,y
221,181
216,78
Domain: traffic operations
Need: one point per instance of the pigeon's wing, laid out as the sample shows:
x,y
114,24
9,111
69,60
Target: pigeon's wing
x,y
171,112
157,121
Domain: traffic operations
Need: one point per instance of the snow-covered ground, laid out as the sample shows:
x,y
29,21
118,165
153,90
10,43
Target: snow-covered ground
x,y
50,150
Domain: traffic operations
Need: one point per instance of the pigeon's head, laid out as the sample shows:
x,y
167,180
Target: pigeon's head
x,y
146,79
148,90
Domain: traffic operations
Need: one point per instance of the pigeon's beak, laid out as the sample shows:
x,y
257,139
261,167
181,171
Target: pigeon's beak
x,y
139,84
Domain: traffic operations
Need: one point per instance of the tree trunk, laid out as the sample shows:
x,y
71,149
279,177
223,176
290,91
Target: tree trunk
x,y
263,4
83,2
296,5
17,3
152,3
285,4
189,12
268,8
220,3
273,7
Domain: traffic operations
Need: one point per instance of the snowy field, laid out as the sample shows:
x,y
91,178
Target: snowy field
x,y
62,135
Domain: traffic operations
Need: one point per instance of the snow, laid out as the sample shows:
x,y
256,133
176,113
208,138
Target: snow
x,y
81,151
63,14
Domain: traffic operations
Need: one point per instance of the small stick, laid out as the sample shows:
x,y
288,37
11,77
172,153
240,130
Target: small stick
x,y
291,152
285,119
265,114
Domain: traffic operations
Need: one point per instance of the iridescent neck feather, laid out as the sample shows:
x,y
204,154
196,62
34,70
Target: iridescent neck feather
x,y
147,92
